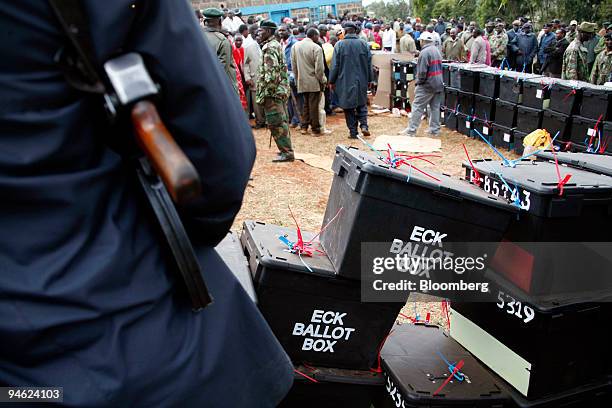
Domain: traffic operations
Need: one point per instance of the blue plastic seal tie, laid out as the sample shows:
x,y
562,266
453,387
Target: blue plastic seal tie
x,y
513,191
286,241
506,161
451,368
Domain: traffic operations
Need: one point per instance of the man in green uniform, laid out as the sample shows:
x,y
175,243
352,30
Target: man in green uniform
x,y
603,63
219,43
499,45
575,65
273,89
601,45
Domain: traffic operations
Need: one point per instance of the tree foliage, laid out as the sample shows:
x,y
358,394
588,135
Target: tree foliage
x,y
389,10
537,10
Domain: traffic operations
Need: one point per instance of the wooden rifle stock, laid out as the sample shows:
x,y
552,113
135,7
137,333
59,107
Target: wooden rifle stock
x,y
169,161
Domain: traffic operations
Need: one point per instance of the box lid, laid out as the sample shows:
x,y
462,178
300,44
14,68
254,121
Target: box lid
x,y
230,250
272,253
540,80
521,76
526,109
506,104
553,114
541,177
568,84
598,163
446,186
466,66
413,358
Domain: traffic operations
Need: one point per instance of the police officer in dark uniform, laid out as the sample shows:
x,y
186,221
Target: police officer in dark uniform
x,y
87,299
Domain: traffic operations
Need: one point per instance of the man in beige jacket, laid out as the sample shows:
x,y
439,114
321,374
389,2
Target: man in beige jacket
x,y
252,60
309,71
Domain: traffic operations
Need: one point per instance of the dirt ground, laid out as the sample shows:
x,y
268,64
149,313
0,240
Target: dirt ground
x,y
276,186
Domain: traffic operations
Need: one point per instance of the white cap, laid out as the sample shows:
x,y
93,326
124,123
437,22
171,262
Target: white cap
x,y
426,36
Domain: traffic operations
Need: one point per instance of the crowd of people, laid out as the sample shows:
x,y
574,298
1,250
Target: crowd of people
x,y
569,51
297,73
293,75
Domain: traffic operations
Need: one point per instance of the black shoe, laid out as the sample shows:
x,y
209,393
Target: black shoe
x,y
353,137
283,157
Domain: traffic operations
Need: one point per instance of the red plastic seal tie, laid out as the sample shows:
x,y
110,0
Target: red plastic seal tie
x,y
572,92
561,182
305,376
457,368
378,368
604,146
478,180
595,130
446,313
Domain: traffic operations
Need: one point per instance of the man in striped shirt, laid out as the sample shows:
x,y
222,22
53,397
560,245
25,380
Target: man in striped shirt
x,y
429,87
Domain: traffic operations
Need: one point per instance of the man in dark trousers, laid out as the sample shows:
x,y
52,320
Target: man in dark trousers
x,y
527,44
512,47
350,74
309,70
429,89
554,55
88,300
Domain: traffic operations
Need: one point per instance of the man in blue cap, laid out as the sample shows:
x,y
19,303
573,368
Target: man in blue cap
x,y
88,299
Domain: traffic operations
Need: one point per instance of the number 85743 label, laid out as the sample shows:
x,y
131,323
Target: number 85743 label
x,y
499,189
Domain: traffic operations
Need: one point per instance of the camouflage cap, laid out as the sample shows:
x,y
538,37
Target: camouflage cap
x,y
212,12
587,27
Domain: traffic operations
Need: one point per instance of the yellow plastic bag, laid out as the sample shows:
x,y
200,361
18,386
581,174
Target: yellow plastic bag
x,y
538,139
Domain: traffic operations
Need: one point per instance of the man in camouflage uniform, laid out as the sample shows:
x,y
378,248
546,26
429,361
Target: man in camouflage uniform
x,y
273,90
603,63
499,45
575,65
219,43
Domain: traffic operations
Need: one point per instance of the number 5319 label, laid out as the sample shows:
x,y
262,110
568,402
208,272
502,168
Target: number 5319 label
x,y
514,307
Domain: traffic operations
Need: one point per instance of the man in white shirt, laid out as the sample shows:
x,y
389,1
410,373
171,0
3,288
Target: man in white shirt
x,y
231,23
388,38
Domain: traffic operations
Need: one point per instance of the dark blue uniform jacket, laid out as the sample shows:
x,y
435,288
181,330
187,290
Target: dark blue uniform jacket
x,y
87,299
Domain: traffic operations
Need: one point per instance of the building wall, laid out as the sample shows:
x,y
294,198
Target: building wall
x,y
295,9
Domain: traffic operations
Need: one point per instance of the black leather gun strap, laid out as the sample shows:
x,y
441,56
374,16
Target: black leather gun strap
x,y
73,19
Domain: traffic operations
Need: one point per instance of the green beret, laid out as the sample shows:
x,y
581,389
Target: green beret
x,y
587,27
268,24
212,12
